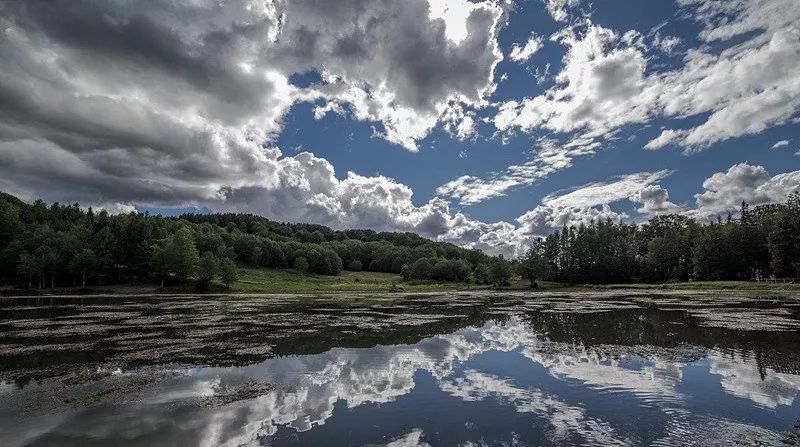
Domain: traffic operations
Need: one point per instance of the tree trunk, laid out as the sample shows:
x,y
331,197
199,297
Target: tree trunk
x,y
30,280
83,284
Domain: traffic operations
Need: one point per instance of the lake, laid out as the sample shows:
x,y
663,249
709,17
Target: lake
x,y
595,368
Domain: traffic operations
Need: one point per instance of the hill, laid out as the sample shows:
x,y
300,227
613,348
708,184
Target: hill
x,y
46,246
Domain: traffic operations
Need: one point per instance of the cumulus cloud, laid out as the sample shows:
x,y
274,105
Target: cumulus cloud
x,y
723,192
112,102
654,200
601,87
392,67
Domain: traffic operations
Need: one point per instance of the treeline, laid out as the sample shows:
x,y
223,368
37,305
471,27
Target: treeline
x,y
761,242
64,245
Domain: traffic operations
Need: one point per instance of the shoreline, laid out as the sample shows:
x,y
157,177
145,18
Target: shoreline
x,y
584,291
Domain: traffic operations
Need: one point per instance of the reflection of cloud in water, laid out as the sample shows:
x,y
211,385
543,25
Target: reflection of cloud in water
x,y
564,419
655,381
411,439
740,376
307,387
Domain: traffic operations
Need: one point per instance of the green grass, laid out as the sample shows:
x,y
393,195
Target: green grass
x,y
265,280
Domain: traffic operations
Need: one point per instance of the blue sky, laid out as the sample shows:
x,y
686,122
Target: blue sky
x,y
348,144
485,123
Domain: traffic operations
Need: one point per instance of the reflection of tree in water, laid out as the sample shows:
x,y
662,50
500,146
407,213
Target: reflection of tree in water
x,y
779,350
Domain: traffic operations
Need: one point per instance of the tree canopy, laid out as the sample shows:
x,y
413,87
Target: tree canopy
x,y
51,245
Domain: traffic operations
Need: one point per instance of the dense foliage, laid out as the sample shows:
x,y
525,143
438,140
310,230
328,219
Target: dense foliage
x,y
57,245
64,245
759,243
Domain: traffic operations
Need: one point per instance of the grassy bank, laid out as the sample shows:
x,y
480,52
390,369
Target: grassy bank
x,y
289,281
265,280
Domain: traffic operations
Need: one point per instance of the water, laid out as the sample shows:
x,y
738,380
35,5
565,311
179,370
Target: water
x,y
468,370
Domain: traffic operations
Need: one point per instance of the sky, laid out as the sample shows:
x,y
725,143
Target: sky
x,y
486,123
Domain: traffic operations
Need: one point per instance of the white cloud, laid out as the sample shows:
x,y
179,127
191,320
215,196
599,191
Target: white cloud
x,y
621,188
780,144
605,82
600,88
667,136
559,9
406,84
667,44
544,219
549,158
111,103
591,202
522,53
723,192
654,201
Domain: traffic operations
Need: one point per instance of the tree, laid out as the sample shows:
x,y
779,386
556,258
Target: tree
x,y
331,263
176,255
500,272
421,269
9,220
84,261
481,274
783,244
405,272
301,264
184,253
209,265
47,261
533,265
228,272
28,266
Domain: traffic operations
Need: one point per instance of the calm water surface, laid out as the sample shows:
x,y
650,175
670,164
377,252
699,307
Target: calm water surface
x,y
446,370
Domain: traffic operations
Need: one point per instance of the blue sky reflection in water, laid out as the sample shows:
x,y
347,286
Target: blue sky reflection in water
x,y
619,373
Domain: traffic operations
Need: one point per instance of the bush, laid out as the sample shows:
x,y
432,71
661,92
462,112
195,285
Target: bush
x,y
355,266
301,264
405,272
421,269
228,272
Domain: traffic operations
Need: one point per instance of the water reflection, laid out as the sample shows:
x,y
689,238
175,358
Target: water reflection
x,y
635,375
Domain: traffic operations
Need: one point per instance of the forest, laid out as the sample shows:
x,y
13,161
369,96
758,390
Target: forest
x,y
757,243
58,245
